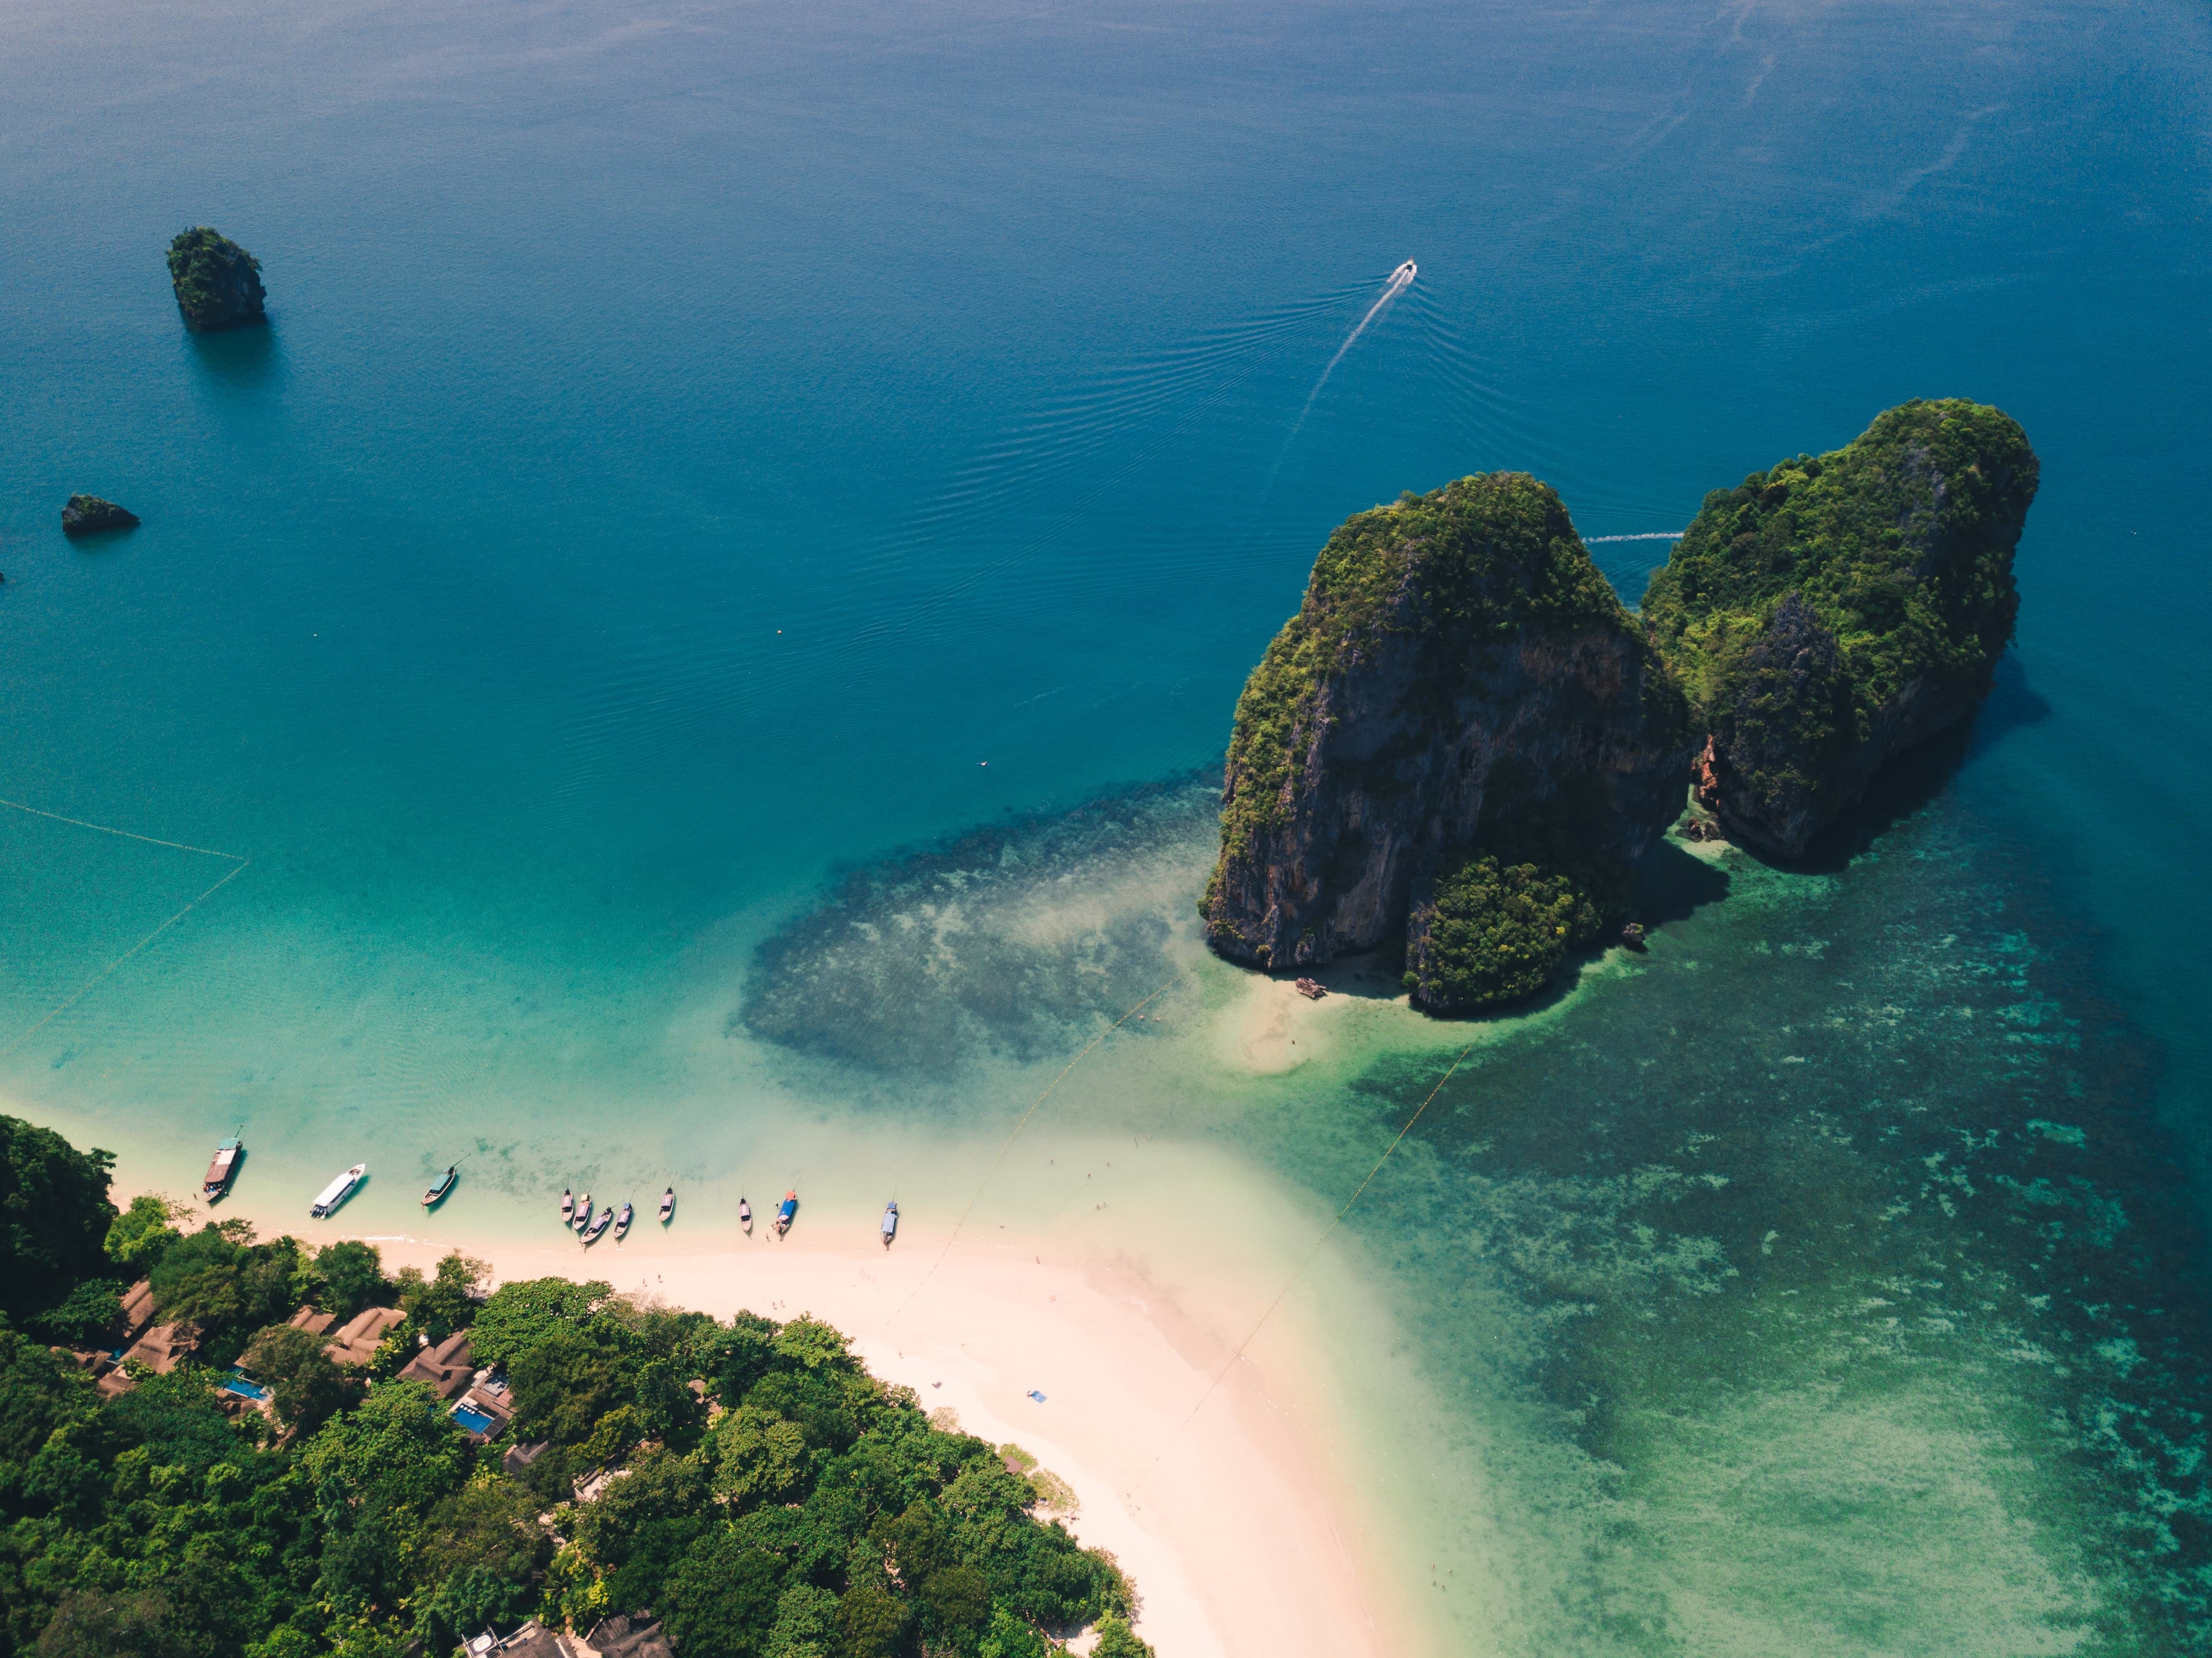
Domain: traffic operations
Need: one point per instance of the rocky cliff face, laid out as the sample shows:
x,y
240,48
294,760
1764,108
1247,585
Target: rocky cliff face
x,y
1838,609
1458,670
218,282
85,513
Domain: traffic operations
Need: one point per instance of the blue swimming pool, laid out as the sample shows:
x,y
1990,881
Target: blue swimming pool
x,y
476,1421
244,1388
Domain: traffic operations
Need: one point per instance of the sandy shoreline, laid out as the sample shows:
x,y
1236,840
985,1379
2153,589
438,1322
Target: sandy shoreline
x,y
1212,1497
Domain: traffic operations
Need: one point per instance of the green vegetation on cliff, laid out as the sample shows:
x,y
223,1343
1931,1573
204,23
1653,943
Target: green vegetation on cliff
x,y
1483,556
1504,918
218,282
1900,544
776,1501
1497,932
54,1217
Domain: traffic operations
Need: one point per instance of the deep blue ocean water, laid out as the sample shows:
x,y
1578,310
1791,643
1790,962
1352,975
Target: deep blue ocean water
x,y
698,451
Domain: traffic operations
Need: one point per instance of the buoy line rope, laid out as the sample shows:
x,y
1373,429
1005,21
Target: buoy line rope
x,y
1299,1272
1007,1145
179,845
239,866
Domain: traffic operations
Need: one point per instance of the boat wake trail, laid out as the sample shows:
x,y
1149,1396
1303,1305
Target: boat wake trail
x,y
1641,535
1401,280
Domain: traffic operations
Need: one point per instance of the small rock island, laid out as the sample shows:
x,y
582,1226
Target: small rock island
x,y
86,514
218,282
1460,746
1835,610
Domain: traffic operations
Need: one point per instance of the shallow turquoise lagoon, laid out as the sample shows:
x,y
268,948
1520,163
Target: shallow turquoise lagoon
x,y
702,612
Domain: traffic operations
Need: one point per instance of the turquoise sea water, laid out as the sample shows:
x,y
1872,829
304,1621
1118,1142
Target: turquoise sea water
x,y
722,486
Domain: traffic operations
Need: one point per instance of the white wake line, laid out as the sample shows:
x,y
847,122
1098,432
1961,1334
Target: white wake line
x,y
1398,284
1641,535
1401,280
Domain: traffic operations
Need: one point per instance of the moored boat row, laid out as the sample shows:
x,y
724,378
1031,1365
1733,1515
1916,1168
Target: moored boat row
x,y
590,1224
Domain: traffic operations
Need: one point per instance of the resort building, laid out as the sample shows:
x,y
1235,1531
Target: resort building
x,y
356,1341
627,1635
519,1457
532,1640
447,1369
165,1346
137,1311
485,1410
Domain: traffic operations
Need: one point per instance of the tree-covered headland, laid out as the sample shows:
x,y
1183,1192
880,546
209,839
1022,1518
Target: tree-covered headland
x,y
748,1484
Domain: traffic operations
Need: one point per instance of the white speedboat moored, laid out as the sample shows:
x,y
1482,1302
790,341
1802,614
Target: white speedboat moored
x,y
338,1192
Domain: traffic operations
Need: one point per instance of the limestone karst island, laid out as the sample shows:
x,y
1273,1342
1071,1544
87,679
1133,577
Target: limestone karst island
x,y
1461,746
218,282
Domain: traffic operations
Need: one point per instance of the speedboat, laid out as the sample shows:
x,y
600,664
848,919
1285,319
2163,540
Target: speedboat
x,y
605,1219
1404,274
568,1205
222,1171
338,1192
583,1212
622,1221
668,1205
785,1211
890,1222
442,1185
745,1216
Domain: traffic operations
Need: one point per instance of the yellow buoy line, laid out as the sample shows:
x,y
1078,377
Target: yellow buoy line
x,y
238,861
1299,1271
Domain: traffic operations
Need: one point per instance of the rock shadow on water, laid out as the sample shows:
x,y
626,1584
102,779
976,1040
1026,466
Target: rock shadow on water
x,y
234,359
1015,942
1675,884
1914,780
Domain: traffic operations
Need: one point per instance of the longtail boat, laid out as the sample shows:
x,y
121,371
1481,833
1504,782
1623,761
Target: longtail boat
x,y
223,1169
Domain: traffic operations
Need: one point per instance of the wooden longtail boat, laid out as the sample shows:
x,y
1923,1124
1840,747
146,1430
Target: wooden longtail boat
x,y
223,1169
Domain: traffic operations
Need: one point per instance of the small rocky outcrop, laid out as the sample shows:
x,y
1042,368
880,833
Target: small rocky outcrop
x,y
1837,610
218,282
86,514
1460,744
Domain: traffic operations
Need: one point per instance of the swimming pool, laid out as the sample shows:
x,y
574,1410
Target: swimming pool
x,y
244,1388
476,1421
